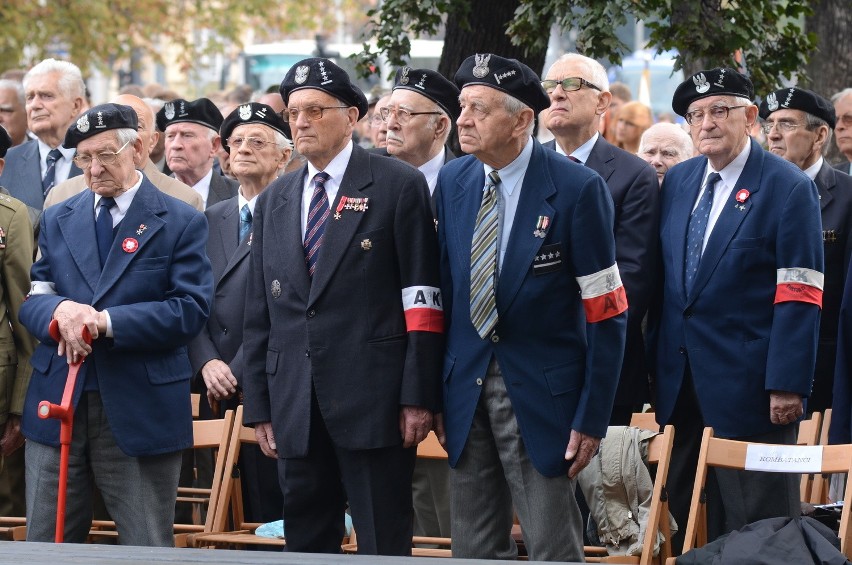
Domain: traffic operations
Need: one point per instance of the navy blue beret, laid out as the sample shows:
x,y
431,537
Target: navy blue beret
x,y
509,75
322,74
252,113
798,99
100,119
202,112
432,85
714,82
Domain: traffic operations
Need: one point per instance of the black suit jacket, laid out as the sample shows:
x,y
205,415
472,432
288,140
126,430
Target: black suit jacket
x,y
221,188
835,202
366,334
843,166
635,194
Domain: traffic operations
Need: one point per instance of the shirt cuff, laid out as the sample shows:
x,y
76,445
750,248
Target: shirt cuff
x,y
108,324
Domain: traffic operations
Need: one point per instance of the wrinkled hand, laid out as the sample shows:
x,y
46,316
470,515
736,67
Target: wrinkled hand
x,y
581,448
219,380
414,425
785,407
12,438
438,426
266,438
72,316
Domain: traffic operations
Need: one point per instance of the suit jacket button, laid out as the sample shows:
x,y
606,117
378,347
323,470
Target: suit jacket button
x,y
307,352
687,313
495,338
225,331
681,350
312,313
479,382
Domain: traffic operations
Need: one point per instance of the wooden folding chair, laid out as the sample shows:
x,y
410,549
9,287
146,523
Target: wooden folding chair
x,y
808,435
731,454
659,454
819,487
242,533
206,434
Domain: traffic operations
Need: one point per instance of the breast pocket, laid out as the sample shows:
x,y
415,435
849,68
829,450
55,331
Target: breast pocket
x,y
746,243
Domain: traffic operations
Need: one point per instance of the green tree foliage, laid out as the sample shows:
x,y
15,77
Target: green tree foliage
x,y
767,35
99,32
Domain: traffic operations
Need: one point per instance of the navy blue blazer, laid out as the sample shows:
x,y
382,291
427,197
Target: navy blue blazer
x,y
158,297
561,369
751,322
635,194
22,174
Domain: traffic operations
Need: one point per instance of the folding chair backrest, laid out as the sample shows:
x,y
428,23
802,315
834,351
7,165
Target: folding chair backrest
x,y
731,454
808,435
215,434
645,421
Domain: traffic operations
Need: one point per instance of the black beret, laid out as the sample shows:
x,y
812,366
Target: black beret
x,y
100,119
432,85
322,74
202,112
798,99
509,75
252,113
5,141
715,82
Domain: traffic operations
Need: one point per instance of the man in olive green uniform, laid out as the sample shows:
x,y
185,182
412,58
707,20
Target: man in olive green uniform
x,y
16,344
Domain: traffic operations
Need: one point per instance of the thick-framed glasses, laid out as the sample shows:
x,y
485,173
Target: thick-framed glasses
x,y
845,119
569,84
254,143
782,126
716,113
311,113
105,158
403,116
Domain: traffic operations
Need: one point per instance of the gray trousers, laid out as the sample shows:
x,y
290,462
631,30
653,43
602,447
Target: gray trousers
x,y
493,475
139,492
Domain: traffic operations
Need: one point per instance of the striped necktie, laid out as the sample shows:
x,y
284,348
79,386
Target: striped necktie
x,y
317,215
49,178
695,232
483,261
103,228
245,222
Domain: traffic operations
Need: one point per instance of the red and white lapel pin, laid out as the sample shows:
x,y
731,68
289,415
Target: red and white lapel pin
x,y
741,197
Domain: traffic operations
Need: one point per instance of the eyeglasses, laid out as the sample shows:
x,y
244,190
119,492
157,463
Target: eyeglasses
x,y
311,113
845,119
254,143
782,126
376,119
716,113
569,84
403,116
105,158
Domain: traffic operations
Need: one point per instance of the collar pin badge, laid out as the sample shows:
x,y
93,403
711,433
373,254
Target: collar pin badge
x,y
340,206
742,196
275,287
541,226
366,244
129,245
141,230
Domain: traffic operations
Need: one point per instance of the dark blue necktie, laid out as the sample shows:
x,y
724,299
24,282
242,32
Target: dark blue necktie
x,y
49,178
317,215
103,228
695,232
245,222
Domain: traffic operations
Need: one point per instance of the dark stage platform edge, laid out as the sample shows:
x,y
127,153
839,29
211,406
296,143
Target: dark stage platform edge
x,y
20,553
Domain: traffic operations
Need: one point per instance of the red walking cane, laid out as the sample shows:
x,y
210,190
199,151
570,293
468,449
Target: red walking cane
x,y
63,412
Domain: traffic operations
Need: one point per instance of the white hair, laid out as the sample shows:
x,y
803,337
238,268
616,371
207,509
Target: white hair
x,y
6,84
679,139
126,135
514,107
842,94
596,73
70,81
281,140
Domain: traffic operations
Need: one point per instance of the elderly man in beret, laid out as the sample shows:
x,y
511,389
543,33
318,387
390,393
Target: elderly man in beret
x,y
532,362
16,344
344,324
149,136
737,319
798,125
257,139
127,263
191,131
664,145
419,117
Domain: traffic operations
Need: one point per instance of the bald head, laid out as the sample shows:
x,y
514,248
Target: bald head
x,y
147,128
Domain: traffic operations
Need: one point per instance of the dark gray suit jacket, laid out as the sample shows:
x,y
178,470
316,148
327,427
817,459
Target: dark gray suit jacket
x,y
222,337
22,174
221,188
636,195
843,166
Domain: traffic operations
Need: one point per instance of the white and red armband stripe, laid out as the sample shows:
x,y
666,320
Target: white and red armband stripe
x,y
603,294
799,285
423,309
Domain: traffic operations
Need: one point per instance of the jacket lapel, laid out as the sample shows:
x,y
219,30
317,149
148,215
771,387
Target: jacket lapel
x,y
600,159
77,224
681,210
142,216
338,233
465,203
227,235
825,182
287,232
523,244
730,219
